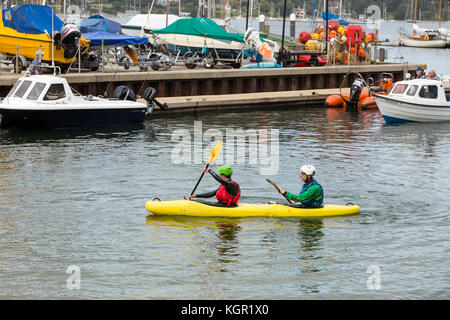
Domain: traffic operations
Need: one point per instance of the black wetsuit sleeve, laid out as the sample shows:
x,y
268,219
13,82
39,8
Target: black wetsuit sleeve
x,y
231,187
207,194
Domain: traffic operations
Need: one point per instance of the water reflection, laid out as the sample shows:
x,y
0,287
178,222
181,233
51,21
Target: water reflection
x,y
22,135
228,243
310,235
226,231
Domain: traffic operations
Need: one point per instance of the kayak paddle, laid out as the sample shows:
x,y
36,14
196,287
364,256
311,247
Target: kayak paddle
x,y
212,157
278,189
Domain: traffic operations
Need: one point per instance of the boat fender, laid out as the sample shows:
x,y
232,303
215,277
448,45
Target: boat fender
x,y
124,93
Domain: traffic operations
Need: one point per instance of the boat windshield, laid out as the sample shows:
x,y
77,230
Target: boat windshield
x,y
412,90
36,91
11,92
400,88
429,92
22,89
55,91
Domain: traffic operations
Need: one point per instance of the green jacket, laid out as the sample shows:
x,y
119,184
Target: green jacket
x,y
311,195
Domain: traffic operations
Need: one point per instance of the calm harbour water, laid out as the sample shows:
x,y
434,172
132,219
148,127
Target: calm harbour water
x,y
76,198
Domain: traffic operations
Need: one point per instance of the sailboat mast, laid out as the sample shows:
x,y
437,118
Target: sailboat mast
x,y
167,12
415,11
440,5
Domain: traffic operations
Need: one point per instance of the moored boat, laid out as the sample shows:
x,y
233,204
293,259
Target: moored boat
x,y
422,42
420,100
43,101
274,210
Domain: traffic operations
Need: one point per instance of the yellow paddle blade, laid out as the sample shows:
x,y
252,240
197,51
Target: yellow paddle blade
x,y
215,152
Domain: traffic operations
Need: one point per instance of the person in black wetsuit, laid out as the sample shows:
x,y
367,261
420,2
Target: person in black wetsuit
x,y
228,193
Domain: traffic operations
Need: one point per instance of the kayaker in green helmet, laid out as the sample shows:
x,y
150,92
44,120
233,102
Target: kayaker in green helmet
x,y
228,193
311,195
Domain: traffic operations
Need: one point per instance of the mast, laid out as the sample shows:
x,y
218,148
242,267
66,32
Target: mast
x,y
281,53
415,12
167,12
246,21
209,9
440,4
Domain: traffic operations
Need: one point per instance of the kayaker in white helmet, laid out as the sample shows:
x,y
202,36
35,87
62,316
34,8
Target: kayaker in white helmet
x,y
311,195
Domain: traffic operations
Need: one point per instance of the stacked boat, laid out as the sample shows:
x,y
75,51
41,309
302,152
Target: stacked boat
x,y
26,29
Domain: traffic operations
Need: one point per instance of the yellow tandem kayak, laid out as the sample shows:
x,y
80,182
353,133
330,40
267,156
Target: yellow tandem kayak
x,y
198,209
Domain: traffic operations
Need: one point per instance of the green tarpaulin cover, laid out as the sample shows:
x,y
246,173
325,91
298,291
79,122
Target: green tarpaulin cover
x,y
200,27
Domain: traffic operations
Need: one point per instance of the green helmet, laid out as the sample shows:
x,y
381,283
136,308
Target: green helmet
x,y
226,170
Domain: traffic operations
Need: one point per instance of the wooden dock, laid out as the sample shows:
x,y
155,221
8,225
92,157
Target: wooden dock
x,y
194,105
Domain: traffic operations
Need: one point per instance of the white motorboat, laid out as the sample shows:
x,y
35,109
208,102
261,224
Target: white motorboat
x,y
144,23
419,100
47,101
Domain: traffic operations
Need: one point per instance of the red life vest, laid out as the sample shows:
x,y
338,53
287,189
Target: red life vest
x,y
223,196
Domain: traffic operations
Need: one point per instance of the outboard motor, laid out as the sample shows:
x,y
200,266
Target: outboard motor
x,y
149,96
355,93
69,39
124,93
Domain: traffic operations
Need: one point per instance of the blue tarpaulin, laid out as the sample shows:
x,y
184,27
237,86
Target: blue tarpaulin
x,y
99,23
112,39
334,16
31,19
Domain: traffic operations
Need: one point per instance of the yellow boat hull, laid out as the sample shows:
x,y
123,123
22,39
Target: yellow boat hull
x,y
13,42
193,208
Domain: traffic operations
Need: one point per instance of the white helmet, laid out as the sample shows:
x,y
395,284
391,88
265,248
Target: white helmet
x,y
308,170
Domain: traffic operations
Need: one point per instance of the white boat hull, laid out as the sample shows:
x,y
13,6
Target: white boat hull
x,y
191,41
407,42
395,111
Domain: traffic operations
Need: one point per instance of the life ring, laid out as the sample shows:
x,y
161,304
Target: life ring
x,y
426,37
